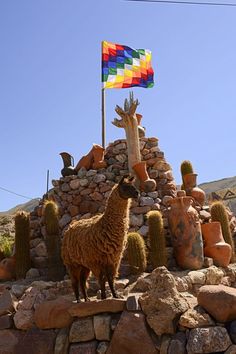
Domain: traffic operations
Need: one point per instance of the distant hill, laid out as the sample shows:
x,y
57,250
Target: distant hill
x,y
224,189
28,206
214,186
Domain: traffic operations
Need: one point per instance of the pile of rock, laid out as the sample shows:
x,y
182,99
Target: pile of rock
x,y
157,314
85,194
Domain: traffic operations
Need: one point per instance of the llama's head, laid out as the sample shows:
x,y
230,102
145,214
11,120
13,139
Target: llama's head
x,y
127,189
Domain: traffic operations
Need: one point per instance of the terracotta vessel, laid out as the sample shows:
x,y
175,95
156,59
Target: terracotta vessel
x,y
186,233
98,157
8,268
85,161
68,162
190,185
214,244
141,130
146,184
94,159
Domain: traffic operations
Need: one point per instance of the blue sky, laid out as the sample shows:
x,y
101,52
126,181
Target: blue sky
x,y
50,85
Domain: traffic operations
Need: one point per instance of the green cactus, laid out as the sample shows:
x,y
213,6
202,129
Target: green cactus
x,y
157,240
22,245
186,167
136,252
56,270
219,213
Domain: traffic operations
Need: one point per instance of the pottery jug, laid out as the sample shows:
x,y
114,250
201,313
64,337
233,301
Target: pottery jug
x,y
190,185
215,245
186,233
146,183
68,162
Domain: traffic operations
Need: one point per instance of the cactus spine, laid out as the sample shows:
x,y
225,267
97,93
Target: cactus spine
x,y
157,239
56,268
219,213
22,245
136,252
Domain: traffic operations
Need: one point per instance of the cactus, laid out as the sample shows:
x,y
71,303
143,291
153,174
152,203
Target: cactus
x,y
56,268
22,245
136,252
186,167
219,213
157,239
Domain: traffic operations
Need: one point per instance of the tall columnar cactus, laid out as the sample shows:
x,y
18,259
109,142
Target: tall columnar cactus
x,y
157,239
22,245
136,252
185,168
56,268
219,213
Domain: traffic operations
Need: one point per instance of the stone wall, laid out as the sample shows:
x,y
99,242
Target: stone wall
x,y
84,195
159,314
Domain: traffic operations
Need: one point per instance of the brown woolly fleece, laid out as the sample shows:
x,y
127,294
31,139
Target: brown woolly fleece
x,y
98,242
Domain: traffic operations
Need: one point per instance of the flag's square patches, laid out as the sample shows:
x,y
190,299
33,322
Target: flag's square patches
x,y
111,64
123,66
112,71
129,61
120,59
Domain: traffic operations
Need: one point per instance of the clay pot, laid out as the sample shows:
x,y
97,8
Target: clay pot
x,y
85,161
146,184
186,233
190,185
141,130
68,161
139,117
98,157
215,245
8,268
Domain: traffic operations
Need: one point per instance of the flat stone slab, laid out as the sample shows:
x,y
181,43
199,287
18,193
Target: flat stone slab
x,y
90,308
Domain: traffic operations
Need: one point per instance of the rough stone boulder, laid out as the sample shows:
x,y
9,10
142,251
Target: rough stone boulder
x,y
131,336
195,317
208,340
163,304
7,303
219,301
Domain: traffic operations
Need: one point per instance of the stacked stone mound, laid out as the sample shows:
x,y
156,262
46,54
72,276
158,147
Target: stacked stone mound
x,y
84,195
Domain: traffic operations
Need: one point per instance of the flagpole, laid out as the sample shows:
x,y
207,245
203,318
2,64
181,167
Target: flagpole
x,y
103,119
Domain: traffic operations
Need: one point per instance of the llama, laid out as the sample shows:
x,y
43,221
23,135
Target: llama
x,y
97,244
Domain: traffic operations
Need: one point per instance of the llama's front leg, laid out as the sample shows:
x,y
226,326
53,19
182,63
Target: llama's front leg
x,y
110,279
75,287
102,281
74,276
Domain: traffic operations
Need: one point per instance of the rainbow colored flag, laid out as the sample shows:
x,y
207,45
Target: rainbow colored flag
x,y
124,67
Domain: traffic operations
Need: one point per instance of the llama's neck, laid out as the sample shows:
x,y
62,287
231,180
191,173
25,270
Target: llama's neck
x,y
116,207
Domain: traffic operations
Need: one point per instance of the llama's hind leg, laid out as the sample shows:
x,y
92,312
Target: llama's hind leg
x,y
74,276
83,278
110,279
